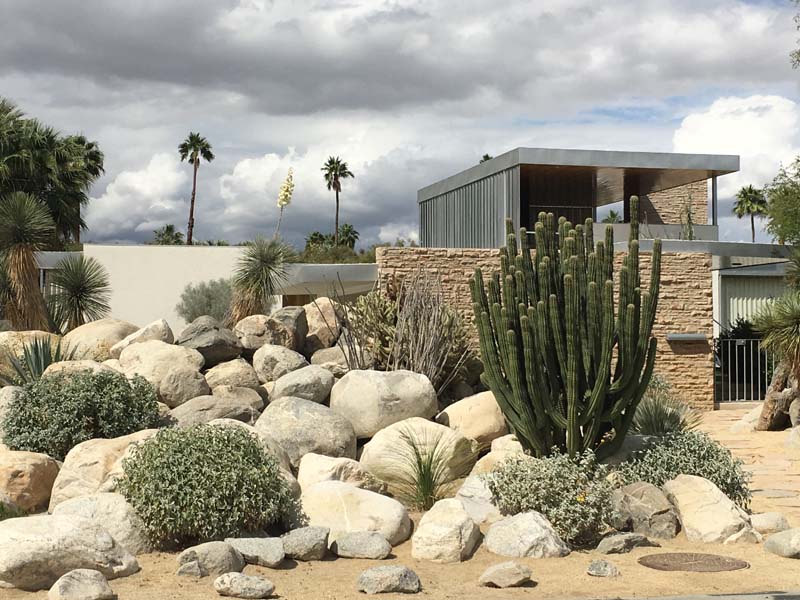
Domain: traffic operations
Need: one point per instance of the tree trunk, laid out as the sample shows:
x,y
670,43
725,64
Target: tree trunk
x,y
336,232
190,228
781,392
753,227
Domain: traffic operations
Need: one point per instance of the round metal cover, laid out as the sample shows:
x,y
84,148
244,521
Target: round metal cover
x,y
692,561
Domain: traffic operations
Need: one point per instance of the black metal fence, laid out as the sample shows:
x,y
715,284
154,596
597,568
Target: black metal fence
x,y
742,370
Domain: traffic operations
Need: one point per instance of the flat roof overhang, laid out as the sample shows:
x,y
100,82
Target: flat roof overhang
x,y
644,172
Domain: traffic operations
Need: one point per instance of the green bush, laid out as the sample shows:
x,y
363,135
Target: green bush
x,y
204,483
55,413
205,298
660,412
573,493
689,453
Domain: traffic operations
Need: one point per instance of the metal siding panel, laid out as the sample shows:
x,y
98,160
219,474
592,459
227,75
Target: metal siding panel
x,y
744,297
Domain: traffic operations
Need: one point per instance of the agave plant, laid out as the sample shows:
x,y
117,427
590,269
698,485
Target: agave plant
x,y
661,413
37,354
80,292
259,274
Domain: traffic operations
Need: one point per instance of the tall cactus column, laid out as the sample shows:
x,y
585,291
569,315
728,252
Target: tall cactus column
x,y
567,369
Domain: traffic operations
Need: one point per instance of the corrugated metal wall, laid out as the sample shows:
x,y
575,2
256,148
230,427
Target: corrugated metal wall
x,y
744,297
472,216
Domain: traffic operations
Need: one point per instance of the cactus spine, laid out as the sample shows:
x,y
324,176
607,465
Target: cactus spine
x,y
567,370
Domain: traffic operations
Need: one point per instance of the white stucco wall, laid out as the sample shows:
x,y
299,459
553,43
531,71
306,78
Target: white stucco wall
x,y
147,281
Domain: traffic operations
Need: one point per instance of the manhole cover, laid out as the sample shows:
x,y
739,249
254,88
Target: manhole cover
x,y
692,561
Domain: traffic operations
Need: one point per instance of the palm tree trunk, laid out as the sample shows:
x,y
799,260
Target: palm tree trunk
x,y
753,227
336,232
190,228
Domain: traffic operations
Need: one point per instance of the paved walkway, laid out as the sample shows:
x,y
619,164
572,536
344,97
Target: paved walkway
x,y
775,468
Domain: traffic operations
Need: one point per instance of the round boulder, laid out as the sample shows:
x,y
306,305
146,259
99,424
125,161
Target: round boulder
x,y
237,372
155,360
324,325
157,330
81,584
182,384
213,558
69,367
203,409
446,533
216,343
310,383
478,417
315,468
527,534
272,362
26,479
94,340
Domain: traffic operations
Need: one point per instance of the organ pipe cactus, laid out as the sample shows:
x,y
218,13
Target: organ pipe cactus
x,y
567,369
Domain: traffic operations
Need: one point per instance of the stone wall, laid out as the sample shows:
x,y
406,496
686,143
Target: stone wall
x,y
685,305
668,206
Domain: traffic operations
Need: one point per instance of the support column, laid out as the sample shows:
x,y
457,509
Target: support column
x,y
714,200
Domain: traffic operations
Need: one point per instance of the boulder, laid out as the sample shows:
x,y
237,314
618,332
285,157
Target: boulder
x,y
214,558
7,395
602,568
388,452
342,508
370,545
204,409
622,543
506,575
477,417
272,362
64,368
238,585
191,569
323,318
793,440
389,579
315,468
81,584
527,534
769,522
286,327
301,426
155,360
306,543
748,422
784,543
706,514
237,372
113,363
477,500
446,533
93,466
181,385
265,552
157,330
794,412
26,479
507,443
240,394
94,340
310,383
331,359
36,551
216,343
373,400
114,514
643,508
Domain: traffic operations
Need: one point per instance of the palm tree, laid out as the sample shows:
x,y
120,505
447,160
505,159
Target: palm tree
x,y
750,202
81,292
26,227
348,236
193,148
612,217
486,157
779,323
259,274
167,236
334,171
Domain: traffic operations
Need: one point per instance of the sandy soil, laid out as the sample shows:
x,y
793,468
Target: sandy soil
x,y
776,483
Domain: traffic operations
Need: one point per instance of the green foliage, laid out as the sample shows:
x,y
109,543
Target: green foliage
x,y
793,270
779,323
375,316
54,414
9,511
81,292
573,493
548,332
205,298
612,217
750,202
259,275
689,453
783,205
167,236
204,483
660,412
37,355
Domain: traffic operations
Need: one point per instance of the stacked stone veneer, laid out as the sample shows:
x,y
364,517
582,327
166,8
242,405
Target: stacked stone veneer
x,y
685,305
669,206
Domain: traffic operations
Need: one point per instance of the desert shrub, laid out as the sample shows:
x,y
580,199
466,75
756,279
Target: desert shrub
x,y
689,453
203,483
55,413
9,511
660,412
205,298
573,493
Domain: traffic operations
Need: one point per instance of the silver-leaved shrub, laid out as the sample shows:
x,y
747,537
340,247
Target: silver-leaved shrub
x,y
573,493
204,483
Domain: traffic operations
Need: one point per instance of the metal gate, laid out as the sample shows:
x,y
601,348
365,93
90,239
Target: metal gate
x,y
742,370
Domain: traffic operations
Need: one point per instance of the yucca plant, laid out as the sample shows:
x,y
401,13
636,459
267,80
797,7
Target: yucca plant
x,y
661,413
779,323
37,354
81,292
259,274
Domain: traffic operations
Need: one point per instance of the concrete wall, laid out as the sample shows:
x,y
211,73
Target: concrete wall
x,y
147,281
685,305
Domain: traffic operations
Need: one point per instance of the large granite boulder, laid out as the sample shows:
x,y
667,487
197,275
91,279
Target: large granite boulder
x,y
315,468
237,372
65,368
94,340
323,318
114,514
173,370
207,335
286,327
93,466
445,534
784,543
343,508
706,514
388,451
81,584
769,522
477,417
272,362
204,409
157,330
265,552
478,501
306,543
26,479
310,383
506,575
389,579
181,385
526,534
331,359
643,508
239,585
301,426
213,558
370,545
36,551
373,400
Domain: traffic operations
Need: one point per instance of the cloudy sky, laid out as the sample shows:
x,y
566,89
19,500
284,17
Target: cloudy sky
x,y
407,91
